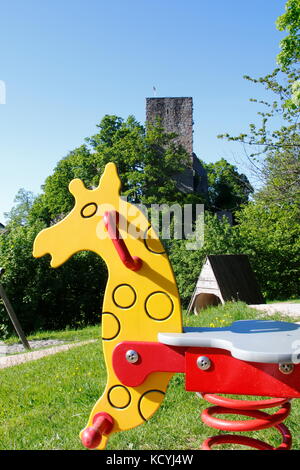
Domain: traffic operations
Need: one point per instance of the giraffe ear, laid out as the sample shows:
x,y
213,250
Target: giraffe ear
x,y
76,186
110,180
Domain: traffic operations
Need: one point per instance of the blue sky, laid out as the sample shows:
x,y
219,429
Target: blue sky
x,y
67,63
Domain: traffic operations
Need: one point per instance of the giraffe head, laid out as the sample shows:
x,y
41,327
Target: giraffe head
x,y
83,228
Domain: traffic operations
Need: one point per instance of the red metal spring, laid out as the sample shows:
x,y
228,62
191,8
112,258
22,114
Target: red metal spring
x,y
250,408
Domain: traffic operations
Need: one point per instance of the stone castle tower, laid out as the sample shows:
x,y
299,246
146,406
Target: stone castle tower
x,y
176,115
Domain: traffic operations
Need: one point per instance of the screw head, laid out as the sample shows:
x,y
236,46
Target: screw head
x,y
203,362
132,356
286,368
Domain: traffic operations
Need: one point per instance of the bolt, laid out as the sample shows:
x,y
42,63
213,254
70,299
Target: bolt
x,y
132,356
286,368
203,362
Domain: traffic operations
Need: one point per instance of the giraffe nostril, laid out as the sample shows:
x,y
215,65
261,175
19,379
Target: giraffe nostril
x,y
89,210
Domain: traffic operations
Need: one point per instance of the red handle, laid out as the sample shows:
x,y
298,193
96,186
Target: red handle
x,y
111,220
92,436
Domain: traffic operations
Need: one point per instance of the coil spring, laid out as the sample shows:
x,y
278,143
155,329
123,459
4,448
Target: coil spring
x,y
262,420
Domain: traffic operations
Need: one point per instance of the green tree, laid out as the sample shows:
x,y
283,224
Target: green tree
x,y
267,139
270,235
23,204
290,45
281,173
227,188
273,152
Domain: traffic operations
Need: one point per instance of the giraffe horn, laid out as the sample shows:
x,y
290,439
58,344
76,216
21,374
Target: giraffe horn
x,y
110,179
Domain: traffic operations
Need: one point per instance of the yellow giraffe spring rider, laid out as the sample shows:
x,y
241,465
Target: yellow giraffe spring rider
x,y
144,342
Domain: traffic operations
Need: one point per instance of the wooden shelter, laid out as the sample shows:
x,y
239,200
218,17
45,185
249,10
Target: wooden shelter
x,y
225,278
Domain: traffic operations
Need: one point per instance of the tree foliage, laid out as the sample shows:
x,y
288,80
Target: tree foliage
x,y
265,137
273,152
227,188
290,45
270,235
23,204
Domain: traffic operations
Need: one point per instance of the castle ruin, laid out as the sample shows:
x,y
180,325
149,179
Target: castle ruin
x,y
176,115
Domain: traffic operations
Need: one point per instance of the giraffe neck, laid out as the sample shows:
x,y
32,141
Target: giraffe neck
x,y
142,304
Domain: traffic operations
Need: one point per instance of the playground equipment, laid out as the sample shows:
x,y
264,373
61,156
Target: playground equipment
x,y
225,278
12,315
144,342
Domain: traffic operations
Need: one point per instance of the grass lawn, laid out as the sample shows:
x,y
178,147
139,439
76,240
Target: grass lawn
x,y
45,403
90,332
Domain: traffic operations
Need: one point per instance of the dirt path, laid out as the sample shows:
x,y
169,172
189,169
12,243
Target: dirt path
x,y
286,308
9,361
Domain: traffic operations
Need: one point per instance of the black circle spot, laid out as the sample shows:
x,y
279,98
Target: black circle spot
x,y
117,323
130,291
120,387
141,398
147,242
151,313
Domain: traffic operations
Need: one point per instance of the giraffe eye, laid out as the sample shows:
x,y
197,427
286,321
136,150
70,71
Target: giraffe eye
x,y
89,210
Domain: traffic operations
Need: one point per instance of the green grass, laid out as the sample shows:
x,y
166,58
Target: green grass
x,y
45,403
90,332
290,301
232,311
